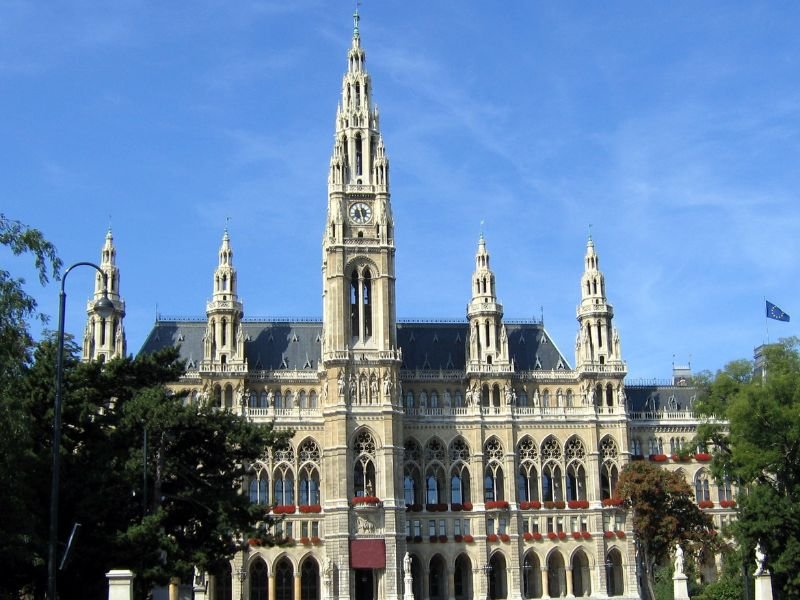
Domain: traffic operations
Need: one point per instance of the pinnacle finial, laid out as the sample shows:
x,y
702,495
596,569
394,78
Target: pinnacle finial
x,y
356,18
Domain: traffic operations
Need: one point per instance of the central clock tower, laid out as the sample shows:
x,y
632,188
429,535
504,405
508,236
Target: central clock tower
x,y
358,248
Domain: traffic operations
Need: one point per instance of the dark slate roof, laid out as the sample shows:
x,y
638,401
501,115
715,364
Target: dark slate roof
x,y
275,344
658,396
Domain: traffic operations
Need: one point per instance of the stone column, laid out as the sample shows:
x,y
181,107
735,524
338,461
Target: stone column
x,y
296,586
451,582
681,588
271,584
568,573
763,586
120,584
545,583
174,588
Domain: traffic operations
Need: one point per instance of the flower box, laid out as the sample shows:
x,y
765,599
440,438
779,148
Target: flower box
x,y
560,504
439,507
284,509
442,539
620,534
417,539
562,535
552,535
680,458
524,505
458,538
315,540
504,537
409,538
527,536
433,539
702,456
578,504
608,535
288,541
466,505
586,535
537,536
637,457
254,541
615,501
366,500
658,457
549,504
496,504
310,508
413,507
456,507
534,505
305,541
705,504
727,503
468,539
492,537
577,535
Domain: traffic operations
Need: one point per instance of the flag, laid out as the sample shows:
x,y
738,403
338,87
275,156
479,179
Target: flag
x,y
773,312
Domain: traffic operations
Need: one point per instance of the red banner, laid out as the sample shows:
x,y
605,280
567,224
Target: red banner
x,y
367,554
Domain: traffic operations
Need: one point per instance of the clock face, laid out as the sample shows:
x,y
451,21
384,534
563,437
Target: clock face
x,y
360,213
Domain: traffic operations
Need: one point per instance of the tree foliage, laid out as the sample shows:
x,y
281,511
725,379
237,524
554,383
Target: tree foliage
x,y
664,514
757,444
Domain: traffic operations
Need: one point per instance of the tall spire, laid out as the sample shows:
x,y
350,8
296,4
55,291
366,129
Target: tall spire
x,y
488,343
104,338
223,343
598,341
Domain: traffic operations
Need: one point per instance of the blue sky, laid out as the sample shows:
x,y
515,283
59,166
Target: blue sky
x,y
672,128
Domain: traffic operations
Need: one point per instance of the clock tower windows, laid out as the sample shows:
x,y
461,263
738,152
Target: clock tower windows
x,y
361,305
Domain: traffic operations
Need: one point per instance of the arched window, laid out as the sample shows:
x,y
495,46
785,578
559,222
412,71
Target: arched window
x,y
546,398
313,400
283,485
531,576
551,470
364,466
309,455
615,582
258,488
556,575
609,470
302,399
724,489
462,578
527,474
581,576
609,395
570,399
284,580
367,293
496,395
258,580
498,583
493,484
309,579
701,486
575,452
459,455
262,399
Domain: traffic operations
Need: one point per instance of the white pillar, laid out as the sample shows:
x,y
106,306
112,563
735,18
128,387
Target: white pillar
x,y
120,584
763,586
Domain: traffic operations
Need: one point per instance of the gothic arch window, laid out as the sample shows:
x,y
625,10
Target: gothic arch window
x,y
434,400
354,312
570,399
496,395
522,400
493,483
423,399
498,580
252,400
302,399
313,400
531,576
724,489
458,399
702,491
609,395
556,575
551,470
485,395
527,473
546,398
278,399
262,399
283,485
288,400
258,580
575,453
459,455
359,149
412,459
615,580
367,297
581,574
559,397
410,399
609,467
258,489
217,396
284,580
309,579
309,455
364,453
224,331
223,580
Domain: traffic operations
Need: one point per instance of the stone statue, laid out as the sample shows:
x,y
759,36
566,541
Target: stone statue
x,y
536,398
407,565
621,398
327,569
363,390
271,398
341,383
374,389
678,559
507,393
352,388
387,384
199,576
760,560
468,396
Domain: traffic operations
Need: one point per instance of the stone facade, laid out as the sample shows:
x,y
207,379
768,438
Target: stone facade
x,y
471,445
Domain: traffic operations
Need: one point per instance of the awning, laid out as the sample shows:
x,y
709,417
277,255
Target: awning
x,y
368,554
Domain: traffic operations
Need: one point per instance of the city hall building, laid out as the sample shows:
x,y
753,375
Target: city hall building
x,y
452,460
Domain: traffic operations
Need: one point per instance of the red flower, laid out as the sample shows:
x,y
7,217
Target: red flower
x,y
466,505
578,504
552,535
586,535
658,457
310,508
458,538
305,541
559,504
702,456
705,504
524,505
621,534
615,501
549,504
608,534
366,500
284,509
535,504
492,537
468,539
315,540
254,541
537,536
456,507
442,539
505,537
577,535
527,536
562,535
496,504
727,503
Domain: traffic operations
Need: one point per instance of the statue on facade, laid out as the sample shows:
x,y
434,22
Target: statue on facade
x,y
363,390
621,398
341,383
508,396
407,565
373,390
468,396
761,559
536,398
353,386
678,559
271,398
387,384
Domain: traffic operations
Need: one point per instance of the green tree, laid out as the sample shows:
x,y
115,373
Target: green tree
x,y
754,426
664,513
22,552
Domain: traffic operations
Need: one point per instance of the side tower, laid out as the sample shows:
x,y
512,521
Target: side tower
x,y
104,338
364,507
598,354
223,342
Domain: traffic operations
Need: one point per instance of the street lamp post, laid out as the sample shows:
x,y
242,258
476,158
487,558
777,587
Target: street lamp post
x,y
487,570
105,308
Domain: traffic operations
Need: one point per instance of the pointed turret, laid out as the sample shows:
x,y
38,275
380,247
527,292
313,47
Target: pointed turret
x,y
104,338
597,346
488,341
223,342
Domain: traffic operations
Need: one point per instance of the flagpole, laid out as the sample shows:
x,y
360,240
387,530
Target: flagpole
x,y
766,319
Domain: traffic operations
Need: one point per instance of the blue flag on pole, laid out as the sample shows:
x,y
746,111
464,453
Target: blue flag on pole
x,y
773,312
